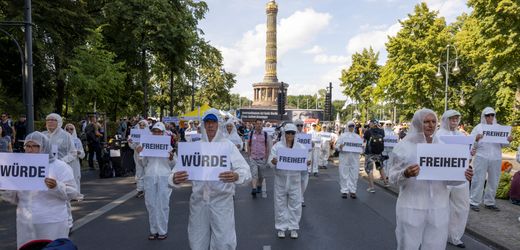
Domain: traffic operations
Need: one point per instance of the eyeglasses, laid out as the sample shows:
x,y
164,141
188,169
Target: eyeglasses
x,y
489,115
299,125
290,132
26,146
351,126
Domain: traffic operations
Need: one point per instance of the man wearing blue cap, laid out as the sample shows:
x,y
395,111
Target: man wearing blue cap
x,y
212,217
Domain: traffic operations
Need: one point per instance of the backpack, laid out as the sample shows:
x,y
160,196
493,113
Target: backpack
x,y
376,144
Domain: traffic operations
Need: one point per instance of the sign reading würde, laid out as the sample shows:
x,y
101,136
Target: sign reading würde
x,y
354,145
495,133
204,161
390,140
23,171
292,159
442,162
155,145
304,139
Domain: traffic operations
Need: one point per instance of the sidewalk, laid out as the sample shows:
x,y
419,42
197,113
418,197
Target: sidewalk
x,y
501,230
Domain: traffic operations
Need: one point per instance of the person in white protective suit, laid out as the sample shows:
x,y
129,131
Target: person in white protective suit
x,y
75,164
212,217
459,195
231,134
488,159
155,180
326,140
43,214
304,174
422,209
386,152
139,168
348,163
62,147
316,149
287,187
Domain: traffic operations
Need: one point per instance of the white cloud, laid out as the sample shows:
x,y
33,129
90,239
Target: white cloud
x,y
314,50
294,32
375,38
326,59
449,9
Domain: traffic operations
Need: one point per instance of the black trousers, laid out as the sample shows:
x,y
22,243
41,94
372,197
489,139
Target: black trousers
x,y
94,148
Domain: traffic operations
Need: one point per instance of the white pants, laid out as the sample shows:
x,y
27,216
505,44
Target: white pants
x,y
212,223
139,172
305,183
324,155
459,210
481,167
157,201
26,232
315,159
426,229
76,171
348,176
287,200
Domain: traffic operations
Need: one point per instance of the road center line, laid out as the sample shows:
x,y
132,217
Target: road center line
x,y
93,215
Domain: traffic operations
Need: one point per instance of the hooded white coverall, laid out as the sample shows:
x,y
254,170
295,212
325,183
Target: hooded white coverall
x,y
212,215
459,195
488,159
287,191
76,166
61,141
139,168
44,214
387,150
157,191
233,136
316,150
348,163
323,159
422,209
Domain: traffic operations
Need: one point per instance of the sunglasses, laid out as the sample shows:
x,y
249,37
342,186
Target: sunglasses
x,y
290,133
69,129
351,126
299,125
489,115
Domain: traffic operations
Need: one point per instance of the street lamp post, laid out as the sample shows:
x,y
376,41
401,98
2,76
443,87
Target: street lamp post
x,y
446,67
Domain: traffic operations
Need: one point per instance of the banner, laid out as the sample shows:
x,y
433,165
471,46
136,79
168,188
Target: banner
x,y
495,133
442,162
23,171
292,159
304,139
135,135
192,136
326,136
354,145
155,145
390,140
204,161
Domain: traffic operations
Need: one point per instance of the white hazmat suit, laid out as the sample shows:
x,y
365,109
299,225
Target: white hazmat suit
x,y
459,195
157,191
75,164
139,168
233,136
316,149
348,163
212,216
44,214
422,209
488,158
287,188
304,174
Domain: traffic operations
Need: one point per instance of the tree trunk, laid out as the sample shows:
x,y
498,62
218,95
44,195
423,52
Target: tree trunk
x,y
144,82
60,86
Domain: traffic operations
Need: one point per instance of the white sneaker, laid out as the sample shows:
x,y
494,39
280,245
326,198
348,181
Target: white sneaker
x,y
371,190
281,234
294,234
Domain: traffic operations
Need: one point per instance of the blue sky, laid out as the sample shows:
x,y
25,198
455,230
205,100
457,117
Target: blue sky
x,y
316,38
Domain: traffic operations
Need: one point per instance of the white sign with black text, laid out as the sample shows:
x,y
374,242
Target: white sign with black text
x,y
354,145
304,139
442,162
495,133
23,171
292,159
135,135
204,161
390,140
155,145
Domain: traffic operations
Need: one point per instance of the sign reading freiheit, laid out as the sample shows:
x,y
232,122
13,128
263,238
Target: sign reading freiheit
x,y
442,162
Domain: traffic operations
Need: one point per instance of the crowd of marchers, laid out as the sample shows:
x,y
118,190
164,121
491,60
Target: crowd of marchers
x,y
428,213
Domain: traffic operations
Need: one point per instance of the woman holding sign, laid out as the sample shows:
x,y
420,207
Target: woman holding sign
x,y
43,214
349,161
422,209
287,184
155,180
140,129
488,158
75,164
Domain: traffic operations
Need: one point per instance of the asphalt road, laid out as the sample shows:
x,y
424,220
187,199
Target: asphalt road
x,y
328,222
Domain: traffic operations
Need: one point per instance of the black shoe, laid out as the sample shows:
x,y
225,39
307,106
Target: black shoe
x,y
253,192
140,194
344,195
492,207
474,208
259,190
303,204
315,174
353,195
461,245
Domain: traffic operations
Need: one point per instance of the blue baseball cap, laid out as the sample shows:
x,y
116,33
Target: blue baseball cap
x,y
210,117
